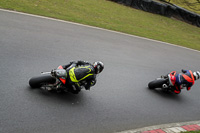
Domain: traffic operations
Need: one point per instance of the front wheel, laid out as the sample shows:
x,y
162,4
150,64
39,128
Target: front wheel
x,y
37,82
157,83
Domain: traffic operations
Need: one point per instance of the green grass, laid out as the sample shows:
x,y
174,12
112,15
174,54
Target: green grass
x,y
191,132
113,16
195,8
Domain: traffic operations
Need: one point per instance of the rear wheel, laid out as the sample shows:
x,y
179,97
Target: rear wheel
x,y
37,82
157,83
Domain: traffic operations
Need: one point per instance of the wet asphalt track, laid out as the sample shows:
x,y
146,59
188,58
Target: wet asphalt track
x,y
119,101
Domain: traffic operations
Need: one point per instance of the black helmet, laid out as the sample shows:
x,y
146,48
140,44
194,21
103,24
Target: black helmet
x,y
98,66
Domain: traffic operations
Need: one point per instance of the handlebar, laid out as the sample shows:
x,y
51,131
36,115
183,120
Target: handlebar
x,y
45,72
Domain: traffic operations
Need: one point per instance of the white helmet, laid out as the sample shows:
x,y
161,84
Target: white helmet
x,y
196,75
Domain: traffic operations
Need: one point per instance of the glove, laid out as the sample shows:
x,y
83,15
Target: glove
x,y
53,72
184,71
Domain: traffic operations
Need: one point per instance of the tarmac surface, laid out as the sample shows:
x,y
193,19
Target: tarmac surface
x,y
119,101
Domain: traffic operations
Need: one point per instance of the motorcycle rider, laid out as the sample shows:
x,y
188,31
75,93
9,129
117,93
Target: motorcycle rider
x,y
82,73
184,79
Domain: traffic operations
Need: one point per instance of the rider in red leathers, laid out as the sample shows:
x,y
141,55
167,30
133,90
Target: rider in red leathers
x,y
181,80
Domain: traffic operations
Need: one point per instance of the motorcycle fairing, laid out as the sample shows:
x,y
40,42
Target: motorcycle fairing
x,y
172,78
62,75
60,67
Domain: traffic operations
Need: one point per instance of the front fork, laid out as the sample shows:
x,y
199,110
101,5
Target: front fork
x,y
167,85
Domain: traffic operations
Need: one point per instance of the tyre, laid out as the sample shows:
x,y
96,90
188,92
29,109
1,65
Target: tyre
x,y
37,82
157,83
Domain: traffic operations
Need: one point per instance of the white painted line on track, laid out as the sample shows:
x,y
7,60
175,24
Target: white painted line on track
x,y
96,28
174,130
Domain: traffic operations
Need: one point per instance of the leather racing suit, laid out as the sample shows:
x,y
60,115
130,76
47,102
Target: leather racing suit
x,y
178,81
80,73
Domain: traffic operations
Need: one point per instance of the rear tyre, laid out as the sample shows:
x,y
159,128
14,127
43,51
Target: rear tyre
x,y
157,83
36,82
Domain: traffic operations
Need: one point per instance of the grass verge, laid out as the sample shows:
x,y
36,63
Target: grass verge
x,y
113,16
191,132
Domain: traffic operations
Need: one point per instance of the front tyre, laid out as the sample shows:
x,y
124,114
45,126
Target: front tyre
x,y
37,82
157,83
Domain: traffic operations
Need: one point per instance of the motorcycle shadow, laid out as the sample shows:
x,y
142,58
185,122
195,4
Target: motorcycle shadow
x,y
165,94
62,97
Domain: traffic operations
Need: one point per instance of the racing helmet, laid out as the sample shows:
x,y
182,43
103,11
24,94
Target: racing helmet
x,y
196,75
98,66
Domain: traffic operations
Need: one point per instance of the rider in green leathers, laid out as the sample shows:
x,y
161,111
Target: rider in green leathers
x,y
82,73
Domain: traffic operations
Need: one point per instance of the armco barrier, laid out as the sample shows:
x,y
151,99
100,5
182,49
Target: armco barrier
x,y
126,2
165,9
186,15
198,21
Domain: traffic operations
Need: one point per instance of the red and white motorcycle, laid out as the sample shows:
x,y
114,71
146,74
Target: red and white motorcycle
x,y
165,82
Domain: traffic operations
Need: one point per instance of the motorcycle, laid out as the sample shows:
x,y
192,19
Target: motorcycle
x,y
54,80
166,83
